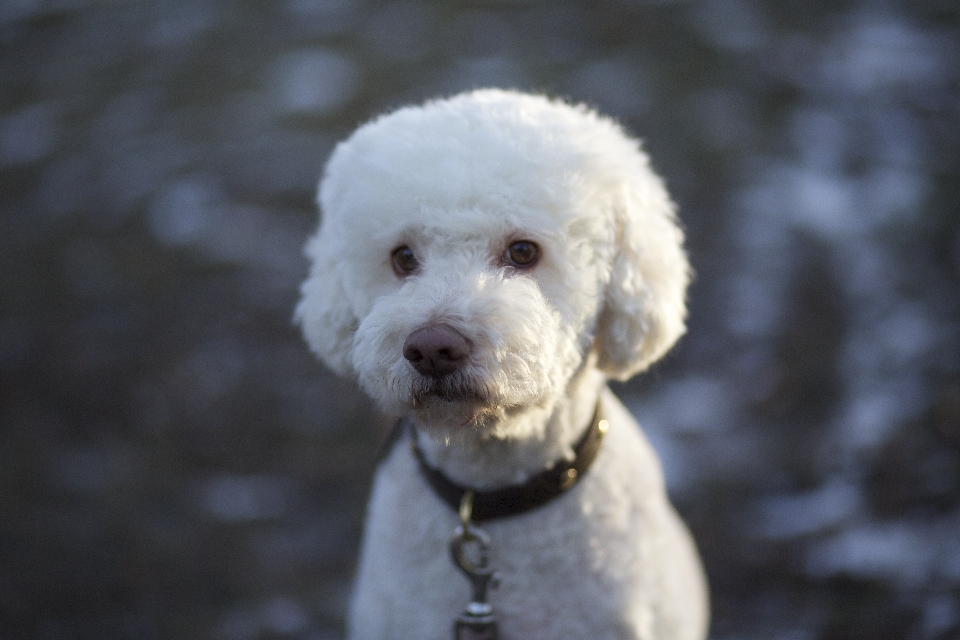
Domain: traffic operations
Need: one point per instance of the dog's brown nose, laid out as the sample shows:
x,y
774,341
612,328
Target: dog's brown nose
x,y
436,350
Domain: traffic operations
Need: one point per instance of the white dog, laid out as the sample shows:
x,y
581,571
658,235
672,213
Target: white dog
x,y
483,265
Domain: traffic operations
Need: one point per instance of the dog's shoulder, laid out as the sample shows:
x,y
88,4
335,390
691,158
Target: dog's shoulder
x,y
627,452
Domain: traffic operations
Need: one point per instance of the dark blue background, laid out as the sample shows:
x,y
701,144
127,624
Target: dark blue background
x,y
174,464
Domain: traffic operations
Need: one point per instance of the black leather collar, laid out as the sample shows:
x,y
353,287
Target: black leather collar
x,y
515,499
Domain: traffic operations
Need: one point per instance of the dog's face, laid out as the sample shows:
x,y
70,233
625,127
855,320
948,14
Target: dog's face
x,y
475,251
471,309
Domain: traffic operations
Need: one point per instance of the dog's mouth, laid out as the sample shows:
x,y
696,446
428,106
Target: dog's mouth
x,y
452,389
462,399
452,401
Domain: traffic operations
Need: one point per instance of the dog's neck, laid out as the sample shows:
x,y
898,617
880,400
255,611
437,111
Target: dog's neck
x,y
482,461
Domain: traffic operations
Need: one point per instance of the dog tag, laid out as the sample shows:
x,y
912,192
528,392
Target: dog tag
x,y
477,621
469,627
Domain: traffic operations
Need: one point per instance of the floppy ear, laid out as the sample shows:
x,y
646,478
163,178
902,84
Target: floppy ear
x,y
324,313
645,305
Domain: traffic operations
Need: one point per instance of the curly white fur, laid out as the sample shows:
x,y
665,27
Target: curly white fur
x,y
457,181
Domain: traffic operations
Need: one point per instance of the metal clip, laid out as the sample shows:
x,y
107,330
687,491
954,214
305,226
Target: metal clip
x,y
477,621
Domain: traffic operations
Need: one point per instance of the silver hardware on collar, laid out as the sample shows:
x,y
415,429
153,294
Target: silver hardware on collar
x,y
477,621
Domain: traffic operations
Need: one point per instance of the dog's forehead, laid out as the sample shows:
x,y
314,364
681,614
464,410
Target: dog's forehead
x,y
446,188
476,231
441,232
457,200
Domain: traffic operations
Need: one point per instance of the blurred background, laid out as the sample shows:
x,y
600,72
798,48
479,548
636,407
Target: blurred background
x,y
173,462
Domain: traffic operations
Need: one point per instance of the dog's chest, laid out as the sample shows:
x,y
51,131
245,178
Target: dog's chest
x,y
572,568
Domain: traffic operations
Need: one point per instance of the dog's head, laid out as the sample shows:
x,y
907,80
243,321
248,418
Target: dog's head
x,y
475,253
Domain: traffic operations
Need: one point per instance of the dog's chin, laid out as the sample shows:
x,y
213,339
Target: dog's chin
x,y
452,404
449,395
457,404
443,411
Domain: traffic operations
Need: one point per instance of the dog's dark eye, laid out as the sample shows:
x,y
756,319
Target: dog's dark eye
x,y
522,253
404,262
